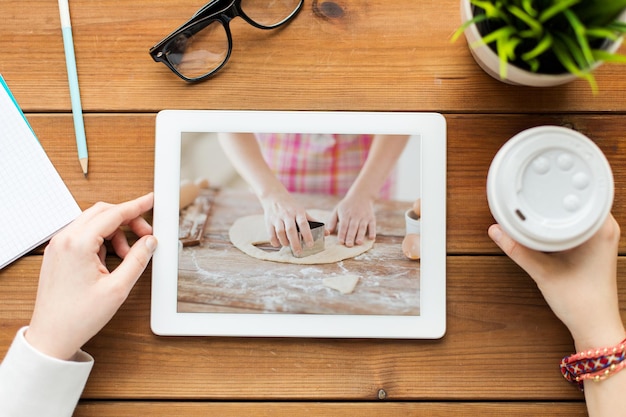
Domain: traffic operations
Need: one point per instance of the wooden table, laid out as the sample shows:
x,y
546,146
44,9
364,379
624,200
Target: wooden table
x,y
501,351
388,282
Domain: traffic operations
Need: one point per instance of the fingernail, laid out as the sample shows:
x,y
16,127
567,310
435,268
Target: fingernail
x,y
151,243
495,233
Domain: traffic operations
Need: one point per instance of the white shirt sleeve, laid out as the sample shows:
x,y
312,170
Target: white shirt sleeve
x,y
36,385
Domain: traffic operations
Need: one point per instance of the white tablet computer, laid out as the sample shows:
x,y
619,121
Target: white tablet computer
x,y
215,273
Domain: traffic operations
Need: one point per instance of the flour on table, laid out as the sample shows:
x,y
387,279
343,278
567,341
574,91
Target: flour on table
x,y
249,231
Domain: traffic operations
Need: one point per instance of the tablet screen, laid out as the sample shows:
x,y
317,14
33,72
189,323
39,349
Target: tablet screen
x,y
317,170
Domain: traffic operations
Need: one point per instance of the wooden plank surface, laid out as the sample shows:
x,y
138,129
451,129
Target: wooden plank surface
x,y
501,351
374,55
380,409
494,314
122,161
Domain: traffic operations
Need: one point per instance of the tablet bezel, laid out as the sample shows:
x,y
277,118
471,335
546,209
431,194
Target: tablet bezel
x,y
430,324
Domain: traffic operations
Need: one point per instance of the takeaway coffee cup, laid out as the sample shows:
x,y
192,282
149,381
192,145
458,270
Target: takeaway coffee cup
x,y
550,188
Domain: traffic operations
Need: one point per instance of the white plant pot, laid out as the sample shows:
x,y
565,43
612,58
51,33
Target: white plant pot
x,y
488,60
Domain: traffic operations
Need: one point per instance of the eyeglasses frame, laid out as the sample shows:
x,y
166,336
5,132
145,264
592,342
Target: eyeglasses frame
x,y
206,16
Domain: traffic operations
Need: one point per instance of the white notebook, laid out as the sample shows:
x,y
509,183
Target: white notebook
x,y
35,202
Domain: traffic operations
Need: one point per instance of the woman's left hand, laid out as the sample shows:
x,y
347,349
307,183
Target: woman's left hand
x,y
353,218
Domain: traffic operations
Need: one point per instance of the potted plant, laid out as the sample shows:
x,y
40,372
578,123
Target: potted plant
x,y
543,42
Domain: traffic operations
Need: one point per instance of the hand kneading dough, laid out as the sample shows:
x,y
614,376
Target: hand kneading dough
x,y
250,230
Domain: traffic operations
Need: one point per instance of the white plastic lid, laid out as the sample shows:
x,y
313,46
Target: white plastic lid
x,y
550,188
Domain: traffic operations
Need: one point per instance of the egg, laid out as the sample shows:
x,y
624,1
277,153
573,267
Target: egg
x,y
417,207
411,246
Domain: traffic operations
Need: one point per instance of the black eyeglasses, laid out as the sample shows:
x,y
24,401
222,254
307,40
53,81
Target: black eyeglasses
x,y
202,46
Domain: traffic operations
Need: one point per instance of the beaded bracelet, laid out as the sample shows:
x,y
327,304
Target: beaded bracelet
x,y
594,364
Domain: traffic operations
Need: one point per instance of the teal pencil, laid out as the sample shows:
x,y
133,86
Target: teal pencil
x,y
72,77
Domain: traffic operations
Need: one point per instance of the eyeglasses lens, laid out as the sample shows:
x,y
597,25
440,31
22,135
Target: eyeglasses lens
x,y
196,53
269,13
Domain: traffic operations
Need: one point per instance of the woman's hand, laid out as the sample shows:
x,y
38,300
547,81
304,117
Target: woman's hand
x,y
579,284
283,217
353,218
77,294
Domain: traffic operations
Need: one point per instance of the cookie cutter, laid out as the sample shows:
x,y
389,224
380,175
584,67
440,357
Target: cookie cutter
x,y
317,230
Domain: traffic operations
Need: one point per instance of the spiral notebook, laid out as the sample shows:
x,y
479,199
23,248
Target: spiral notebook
x,y
35,202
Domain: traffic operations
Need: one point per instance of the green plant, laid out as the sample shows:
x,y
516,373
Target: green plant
x,y
549,36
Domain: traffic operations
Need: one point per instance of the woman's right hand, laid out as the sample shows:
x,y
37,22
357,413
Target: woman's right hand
x,y
283,217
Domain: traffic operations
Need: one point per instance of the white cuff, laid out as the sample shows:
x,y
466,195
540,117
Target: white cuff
x,y
33,384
